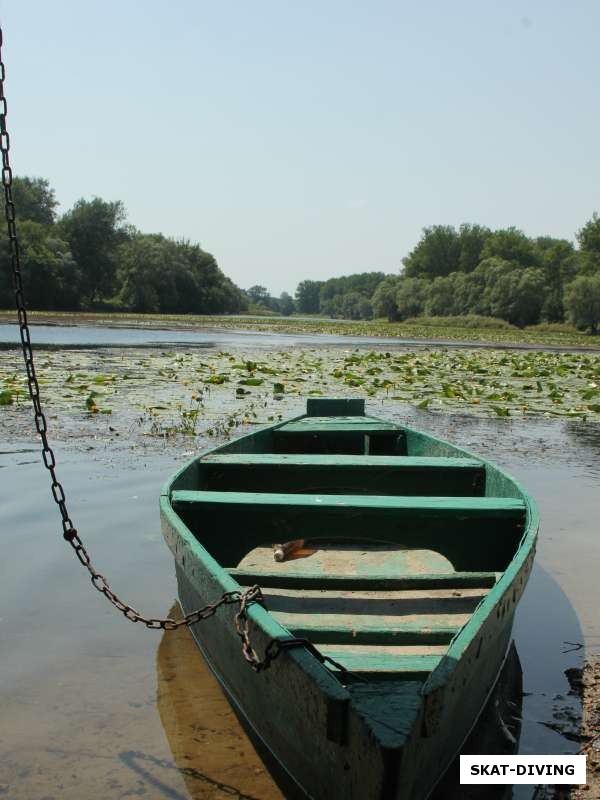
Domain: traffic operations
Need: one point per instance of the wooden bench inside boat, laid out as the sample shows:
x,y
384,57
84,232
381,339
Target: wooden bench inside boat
x,y
341,473
474,533
359,435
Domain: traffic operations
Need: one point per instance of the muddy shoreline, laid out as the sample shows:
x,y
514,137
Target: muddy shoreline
x,y
590,731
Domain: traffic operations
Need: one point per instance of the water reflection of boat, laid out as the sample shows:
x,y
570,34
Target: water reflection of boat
x,y
214,755
392,630
209,746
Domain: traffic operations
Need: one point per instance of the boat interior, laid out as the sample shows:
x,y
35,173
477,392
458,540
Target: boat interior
x,y
399,536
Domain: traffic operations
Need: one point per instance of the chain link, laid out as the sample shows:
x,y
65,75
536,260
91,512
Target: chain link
x,y
71,535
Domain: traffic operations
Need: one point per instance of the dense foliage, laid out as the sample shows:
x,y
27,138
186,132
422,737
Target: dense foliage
x,y
89,258
502,274
348,296
261,302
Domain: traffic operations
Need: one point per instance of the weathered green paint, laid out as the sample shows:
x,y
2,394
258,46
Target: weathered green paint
x,y
473,533
390,708
304,580
425,463
334,406
350,474
360,435
409,507
360,663
359,632
392,735
339,425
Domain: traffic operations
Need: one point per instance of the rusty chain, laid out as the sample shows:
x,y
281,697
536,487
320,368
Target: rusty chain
x,y
71,535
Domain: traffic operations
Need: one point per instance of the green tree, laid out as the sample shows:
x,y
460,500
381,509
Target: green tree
x,y
349,296
437,253
51,278
559,262
468,290
332,307
528,298
511,244
588,256
582,301
478,295
258,295
363,282
286,304
384,299
410,297
441,296
471,240
516,295
588,237
307,297
354,305
157,274
34,200
94,229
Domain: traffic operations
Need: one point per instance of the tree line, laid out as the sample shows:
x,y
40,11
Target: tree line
x,y
346,297
349,296
90,258
475,270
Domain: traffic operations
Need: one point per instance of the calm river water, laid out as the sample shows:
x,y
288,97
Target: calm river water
x,y
95,707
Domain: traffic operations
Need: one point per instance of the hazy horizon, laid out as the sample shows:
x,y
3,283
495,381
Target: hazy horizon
x,y
307,142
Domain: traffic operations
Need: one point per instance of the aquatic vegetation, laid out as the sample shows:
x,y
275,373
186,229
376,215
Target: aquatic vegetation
x,y
210,394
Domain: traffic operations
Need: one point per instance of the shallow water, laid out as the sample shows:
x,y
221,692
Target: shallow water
x,y
104,336
93,706
90,336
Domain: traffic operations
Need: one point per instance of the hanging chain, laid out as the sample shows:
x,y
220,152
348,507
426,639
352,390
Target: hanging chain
x,y
70,533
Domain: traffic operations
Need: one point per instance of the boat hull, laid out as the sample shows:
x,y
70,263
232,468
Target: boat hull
x,y
287,725
336,735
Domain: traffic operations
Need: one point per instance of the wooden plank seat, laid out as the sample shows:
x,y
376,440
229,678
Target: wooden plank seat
x,y
408,507
473,533
359,634
351,434
354,474
381,606
361,660
339,629
304,580
413,617
313,601
337,425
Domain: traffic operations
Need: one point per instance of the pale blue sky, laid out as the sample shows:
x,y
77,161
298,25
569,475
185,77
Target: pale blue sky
x,y
306,140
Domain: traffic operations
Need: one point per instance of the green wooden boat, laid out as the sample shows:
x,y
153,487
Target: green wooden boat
x,y
399,602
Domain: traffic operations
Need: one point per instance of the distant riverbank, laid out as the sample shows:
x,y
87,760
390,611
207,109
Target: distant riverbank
x,y
434,330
